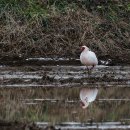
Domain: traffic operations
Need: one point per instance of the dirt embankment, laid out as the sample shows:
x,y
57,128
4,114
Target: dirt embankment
x,y
52,29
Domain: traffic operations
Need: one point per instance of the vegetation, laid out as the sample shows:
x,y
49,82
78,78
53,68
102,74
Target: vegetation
x,y
33,28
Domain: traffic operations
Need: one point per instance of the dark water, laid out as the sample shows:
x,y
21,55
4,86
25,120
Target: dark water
x,y
52,94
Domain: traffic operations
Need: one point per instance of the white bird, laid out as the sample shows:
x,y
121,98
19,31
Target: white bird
x,y
88,58
87,96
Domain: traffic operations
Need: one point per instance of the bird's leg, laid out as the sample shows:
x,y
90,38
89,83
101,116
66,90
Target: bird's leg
x,y
91,68
88,71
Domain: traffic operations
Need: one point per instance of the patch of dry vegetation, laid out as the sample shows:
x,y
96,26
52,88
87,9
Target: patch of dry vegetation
x,y
33,28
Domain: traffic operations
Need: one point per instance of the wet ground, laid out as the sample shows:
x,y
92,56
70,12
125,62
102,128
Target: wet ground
x,y
64,126
50,95
56,76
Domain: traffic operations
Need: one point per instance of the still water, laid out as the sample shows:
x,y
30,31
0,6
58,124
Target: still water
x,y
60,95
64,104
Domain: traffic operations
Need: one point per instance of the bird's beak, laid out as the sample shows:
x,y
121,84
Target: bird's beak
x,y
81,48
83,105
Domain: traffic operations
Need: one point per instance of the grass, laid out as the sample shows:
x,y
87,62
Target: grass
x,y
32,28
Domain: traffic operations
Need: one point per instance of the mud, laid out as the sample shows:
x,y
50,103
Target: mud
x,y
4,125
56,76
63,126
19,61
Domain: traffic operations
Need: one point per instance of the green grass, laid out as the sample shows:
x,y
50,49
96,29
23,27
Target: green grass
x,y
33,9
36,9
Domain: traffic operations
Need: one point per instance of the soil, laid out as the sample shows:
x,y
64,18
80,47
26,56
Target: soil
x,y
18,61
59,76
5,125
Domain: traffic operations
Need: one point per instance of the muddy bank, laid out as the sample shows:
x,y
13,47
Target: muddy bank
x,y
19,61
5,125
39,61
56,76
59,28
64,126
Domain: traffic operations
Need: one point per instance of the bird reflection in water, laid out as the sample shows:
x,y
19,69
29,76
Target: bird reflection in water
x,y
87,95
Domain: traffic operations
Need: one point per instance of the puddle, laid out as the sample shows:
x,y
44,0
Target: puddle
x,y
59,105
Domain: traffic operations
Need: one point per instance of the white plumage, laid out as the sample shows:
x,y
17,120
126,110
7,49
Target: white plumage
x,y
87,57
87,96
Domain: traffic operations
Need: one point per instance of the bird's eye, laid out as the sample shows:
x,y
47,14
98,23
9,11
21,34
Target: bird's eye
x,y
82,48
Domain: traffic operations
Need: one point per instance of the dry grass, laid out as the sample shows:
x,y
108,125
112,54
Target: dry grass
x,y
59,30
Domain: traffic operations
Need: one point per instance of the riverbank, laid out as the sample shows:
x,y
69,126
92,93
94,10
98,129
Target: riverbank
x,y
58,29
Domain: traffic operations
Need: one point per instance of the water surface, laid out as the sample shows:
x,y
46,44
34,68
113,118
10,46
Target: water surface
x,y
52,94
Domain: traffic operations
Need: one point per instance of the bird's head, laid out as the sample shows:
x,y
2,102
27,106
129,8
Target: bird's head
x,y
82,48
84,104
